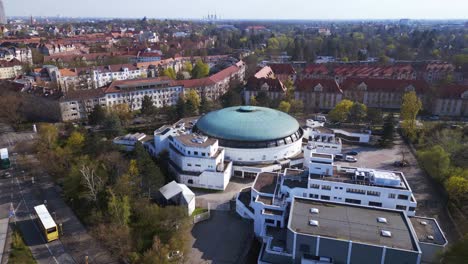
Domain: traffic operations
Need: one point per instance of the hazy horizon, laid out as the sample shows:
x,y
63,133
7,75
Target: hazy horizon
x,y
244,10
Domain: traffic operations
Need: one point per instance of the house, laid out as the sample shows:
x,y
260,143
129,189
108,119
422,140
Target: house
x,y
451,101
318,94
176,194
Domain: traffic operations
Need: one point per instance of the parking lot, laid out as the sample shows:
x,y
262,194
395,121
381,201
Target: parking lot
x,y
431,200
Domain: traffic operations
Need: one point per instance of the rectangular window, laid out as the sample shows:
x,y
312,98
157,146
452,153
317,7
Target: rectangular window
x,y
315,186
412,209
315,196
325,197
353,201
195,153
403,197
357,191
373,193
269,221
391,195
326,187
189,165
375,204
401,207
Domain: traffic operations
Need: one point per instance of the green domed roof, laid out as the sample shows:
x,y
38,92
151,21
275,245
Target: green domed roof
x,y
247,123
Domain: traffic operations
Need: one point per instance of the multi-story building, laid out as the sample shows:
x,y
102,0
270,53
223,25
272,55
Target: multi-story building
x,y
162,91
318,94
100,76
382,93
10,69
76,105
330,232
198,161
452,101
254,139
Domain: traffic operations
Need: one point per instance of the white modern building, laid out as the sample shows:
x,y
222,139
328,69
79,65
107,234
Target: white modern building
x,y
198,161
240,141
129,141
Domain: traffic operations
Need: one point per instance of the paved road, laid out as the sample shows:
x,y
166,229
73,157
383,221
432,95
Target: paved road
x,y
21,194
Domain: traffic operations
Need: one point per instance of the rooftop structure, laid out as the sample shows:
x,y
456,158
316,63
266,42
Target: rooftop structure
x,y
248,123
352,223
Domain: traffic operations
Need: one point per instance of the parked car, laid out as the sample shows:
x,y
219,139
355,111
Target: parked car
x,y
434,118
401,163
350,159
338,157
352,153
6,175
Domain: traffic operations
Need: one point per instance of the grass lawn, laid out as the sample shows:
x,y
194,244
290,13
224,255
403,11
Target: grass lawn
x,y
198,211
20,253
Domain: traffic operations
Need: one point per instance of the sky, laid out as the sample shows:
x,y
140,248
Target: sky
x,y
243,9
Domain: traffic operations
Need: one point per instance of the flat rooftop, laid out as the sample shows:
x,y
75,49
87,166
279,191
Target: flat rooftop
x,y
345,175
194,140
352,222
266,182
428,231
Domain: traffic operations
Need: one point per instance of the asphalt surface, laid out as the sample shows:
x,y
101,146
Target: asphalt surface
x,y
432,202
21,191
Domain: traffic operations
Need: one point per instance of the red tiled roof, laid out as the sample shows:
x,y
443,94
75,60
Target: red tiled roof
x,y
453,91
282,68
274,85
308,85
387,85
115,86
316,69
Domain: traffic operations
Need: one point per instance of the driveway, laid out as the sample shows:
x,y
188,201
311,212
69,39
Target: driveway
x,y
223,239
219,198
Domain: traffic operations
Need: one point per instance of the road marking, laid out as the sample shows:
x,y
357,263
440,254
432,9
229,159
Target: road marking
x,y
34,223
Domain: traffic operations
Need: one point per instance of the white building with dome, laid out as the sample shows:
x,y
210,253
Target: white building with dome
x,y
243,141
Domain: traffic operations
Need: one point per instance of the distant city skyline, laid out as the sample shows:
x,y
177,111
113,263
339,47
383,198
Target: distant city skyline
x,y
243,9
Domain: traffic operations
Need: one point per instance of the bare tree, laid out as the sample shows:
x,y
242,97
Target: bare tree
x,y
93,182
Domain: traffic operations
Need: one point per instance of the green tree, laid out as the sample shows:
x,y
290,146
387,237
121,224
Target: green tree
x,y
192,103
169,72
388,130
374,116
457,252
263,99
409,110
435,161
188,67
457,188
231,98
75,141
147,106
119,208
284,106
112,125
341,111
97,116
206,105
297,106
200,70
357,112
253,100
48,135
180,107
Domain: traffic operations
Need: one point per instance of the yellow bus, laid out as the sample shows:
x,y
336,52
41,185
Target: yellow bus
x,y
46,223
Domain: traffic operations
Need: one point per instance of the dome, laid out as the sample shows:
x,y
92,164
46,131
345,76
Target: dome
x,y
249,124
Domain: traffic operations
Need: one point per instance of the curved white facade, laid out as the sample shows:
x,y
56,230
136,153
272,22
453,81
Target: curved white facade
x,y
263,155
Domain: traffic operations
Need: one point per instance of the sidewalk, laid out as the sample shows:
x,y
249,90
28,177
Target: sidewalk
x,y
3,235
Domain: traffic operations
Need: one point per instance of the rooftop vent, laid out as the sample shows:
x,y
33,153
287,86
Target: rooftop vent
x,y
382,220
430,237
314,210
423,223
386,233
199,139
313,223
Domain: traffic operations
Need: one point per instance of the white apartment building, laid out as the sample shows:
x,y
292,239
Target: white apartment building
x,y
198,161
101,76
